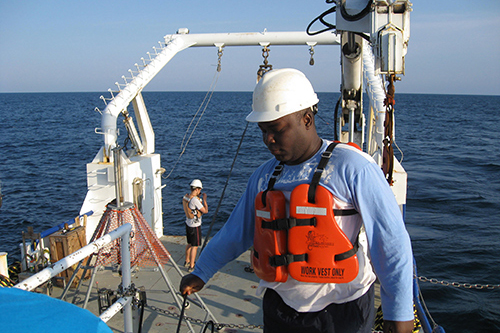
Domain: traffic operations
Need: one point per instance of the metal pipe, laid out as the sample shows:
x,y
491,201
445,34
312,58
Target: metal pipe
x,y
126,283
257,38
174,293
60,226
63,264
351,43
115,308
132,133
351,123
91,283
352,65
118,175
178,42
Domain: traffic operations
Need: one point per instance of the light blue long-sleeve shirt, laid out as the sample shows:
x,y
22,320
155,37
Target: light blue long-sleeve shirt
x,y
355,179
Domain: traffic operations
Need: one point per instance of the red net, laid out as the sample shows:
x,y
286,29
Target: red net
x,y
145,247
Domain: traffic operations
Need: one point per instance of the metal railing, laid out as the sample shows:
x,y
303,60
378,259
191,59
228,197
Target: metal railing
x,y
51,271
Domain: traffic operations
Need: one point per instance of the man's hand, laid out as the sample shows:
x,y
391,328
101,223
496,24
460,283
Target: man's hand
x,y
398,326
190,284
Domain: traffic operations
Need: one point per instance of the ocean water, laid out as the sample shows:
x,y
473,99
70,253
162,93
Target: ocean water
x,y
450,149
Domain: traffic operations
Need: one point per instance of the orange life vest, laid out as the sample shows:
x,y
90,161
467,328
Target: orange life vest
x,y
268,243
309,245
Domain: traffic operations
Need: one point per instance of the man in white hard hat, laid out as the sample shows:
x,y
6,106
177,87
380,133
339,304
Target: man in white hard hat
x,y
194,207
329,287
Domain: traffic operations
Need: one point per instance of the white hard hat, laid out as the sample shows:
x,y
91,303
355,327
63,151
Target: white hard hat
x,y
196,183
281,92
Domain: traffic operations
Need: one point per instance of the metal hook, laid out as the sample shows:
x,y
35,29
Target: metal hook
x,y
266,67
220,47
311,52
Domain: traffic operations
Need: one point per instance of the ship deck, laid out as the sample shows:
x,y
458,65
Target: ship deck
x,y
230,295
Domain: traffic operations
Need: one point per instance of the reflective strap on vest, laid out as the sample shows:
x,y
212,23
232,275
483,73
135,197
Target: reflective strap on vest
x,y
288,223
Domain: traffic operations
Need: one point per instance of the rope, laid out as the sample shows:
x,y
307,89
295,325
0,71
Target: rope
x,y
209,323
336,118
224,190
210,92
388,149
182,313
204,105
5,281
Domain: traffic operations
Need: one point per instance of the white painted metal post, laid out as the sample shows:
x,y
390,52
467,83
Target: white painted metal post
x,y
126,282
118,175
115,308
63,264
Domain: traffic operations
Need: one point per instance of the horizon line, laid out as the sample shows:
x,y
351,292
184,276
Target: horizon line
x,y
225,91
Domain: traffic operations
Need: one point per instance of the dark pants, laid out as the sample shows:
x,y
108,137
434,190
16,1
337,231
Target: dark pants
x,y
352,317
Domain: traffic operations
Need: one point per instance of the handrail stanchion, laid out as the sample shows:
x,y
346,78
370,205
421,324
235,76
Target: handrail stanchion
x,y
46,274
126,281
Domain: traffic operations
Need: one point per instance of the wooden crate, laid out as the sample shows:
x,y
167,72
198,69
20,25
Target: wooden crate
x,y
62,244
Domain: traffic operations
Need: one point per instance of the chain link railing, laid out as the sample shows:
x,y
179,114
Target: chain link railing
x,y
218,326
458,284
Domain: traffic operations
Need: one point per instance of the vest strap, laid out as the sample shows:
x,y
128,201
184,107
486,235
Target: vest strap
x,y
272,180
288,223
325,157
286,259
350,253
344,212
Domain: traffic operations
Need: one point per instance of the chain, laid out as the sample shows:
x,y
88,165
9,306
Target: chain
x,y
311,52
263,69
219,56
459,285
218,326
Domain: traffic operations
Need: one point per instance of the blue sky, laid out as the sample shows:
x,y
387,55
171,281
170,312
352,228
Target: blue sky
x,y
65,46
